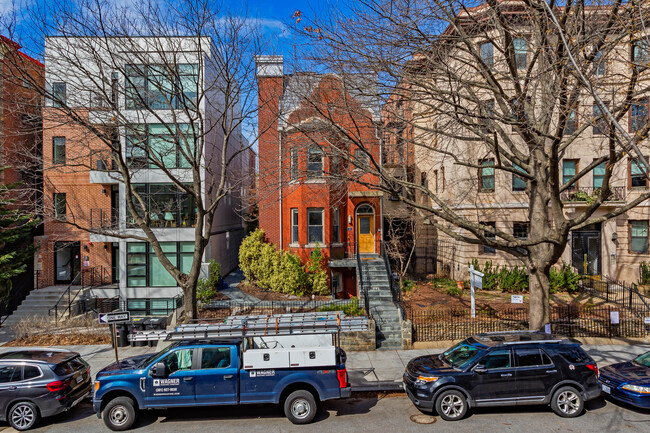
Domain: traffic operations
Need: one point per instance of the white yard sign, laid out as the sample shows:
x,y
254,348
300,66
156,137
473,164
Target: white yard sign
x,y
517,299
476,281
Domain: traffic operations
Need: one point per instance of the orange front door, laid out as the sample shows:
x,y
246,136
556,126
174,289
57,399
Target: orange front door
x,y
365,233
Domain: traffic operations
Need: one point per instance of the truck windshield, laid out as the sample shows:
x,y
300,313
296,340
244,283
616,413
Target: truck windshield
x,y
460,355
155,355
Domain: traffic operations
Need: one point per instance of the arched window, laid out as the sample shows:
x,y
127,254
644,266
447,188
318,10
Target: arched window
x,y
365,209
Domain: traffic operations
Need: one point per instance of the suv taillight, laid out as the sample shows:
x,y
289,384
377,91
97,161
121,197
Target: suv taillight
x,y
58,385
343,378
593,367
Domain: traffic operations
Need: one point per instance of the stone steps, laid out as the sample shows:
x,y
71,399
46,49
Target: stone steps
x,y
39,302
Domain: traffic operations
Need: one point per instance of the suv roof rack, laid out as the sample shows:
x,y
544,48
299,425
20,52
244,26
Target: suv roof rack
x,y
509,343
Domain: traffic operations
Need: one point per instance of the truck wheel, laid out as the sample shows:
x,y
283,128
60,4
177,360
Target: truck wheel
x,y
119,414
300,407
23,415
567,402
451,405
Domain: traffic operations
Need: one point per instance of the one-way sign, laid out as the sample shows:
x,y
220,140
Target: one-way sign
x,y
114,317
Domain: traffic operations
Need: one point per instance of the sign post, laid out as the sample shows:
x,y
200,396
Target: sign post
x,y
113,319
475,281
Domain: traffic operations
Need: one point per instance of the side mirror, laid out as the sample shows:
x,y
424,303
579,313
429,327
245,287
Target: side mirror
x,y
480,369
159,370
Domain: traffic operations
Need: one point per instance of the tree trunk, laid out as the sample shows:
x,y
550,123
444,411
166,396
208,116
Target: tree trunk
x,y
189,293
540,310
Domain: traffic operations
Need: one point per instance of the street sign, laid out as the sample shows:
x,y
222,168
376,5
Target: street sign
x,y
114,317
476,281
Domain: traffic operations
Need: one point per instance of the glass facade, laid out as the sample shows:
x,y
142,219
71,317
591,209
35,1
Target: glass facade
x,y
144,269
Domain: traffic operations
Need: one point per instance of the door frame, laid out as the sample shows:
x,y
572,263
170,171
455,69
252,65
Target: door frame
x,y
357,214
584,235
75,248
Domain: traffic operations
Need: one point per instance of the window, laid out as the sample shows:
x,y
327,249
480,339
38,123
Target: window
x,y
337,285
570,125
490,236
9,373
59,97
531,358
115,87
336,166
31,372
638,115
58,150
521,53
487,116
640,51
294,226
336,234
520,230
314,163
158,145
574,355
59,206
314,226
638,178
599,175
215,357
495,360
518,184
363,160
179,360
188,85
600,125
423,179
639,236
168,205
161,87
600,64
486,175
144,269
487,54
293,170
569,169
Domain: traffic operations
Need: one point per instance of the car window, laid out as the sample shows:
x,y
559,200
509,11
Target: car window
x,y
30,372
215,357
643,359
496,359
179,360
461,354
9,373
528,357
574,355
546,360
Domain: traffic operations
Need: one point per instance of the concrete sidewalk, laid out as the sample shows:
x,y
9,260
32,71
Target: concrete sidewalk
x,y
379,370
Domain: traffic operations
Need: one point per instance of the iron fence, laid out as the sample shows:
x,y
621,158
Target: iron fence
x,y
223,309
570,321
618,292
588,194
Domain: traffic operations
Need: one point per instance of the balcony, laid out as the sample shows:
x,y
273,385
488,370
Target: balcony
x,y
586,195
104,219
104,171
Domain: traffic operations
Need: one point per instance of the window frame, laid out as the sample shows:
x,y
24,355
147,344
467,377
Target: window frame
x,y
336,226
571,122
60,94
139,96
519,63
293,164
519,225
57,157
60,206
487,58
595,176
337,277
313,151
516,179
147,253
630,164
637,120
600,126
576,169
321,211
485,165
486,249
644,48
295,227
600,64
630,237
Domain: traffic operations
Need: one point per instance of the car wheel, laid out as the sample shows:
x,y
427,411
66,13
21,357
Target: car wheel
x,y
119,414
567,402
300,407
451,405
23,415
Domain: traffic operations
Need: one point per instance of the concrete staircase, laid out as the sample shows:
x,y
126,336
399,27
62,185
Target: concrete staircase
x,y
38,303
384,312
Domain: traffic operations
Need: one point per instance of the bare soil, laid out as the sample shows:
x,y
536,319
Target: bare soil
x,y
431,294
266,295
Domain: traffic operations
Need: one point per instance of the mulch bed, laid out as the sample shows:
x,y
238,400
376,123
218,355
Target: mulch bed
x,y
61,340
265,295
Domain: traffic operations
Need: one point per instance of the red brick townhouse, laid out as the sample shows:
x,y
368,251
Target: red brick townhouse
x,y
311,182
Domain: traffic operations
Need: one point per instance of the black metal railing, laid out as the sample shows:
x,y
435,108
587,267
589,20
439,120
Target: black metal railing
x,y
362,287
100,276
66,299
152,306
395,289
571,321
588,194
618,292
220,309
107,219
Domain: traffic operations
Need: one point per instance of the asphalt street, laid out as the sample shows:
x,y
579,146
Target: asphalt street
x,y
363,413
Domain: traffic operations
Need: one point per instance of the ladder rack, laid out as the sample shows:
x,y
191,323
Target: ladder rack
x,y
261,326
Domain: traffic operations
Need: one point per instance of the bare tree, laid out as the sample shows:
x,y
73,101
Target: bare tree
x,y
483,94
153,90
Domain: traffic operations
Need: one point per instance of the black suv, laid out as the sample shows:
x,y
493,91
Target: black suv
x,y
503,369
40,382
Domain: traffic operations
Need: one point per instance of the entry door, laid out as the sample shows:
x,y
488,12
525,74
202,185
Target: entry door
x,y
67,262
366,237
585,246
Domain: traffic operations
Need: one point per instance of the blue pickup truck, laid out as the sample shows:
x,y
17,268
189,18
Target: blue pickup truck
x,y
206,373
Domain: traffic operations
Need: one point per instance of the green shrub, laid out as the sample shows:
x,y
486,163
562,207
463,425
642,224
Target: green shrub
x,y
564,279
317,273
351,309
250,253
407,286
207,289
290,276
454,291
644,269
513,280
266,267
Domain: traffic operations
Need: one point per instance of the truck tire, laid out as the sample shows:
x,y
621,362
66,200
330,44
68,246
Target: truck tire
x,y
567,402
300,407
120,414
23,415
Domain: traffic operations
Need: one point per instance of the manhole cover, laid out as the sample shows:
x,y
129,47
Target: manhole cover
x,y
423,419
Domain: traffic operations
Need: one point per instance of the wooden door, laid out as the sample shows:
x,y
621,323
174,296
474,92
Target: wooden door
x,y
365,233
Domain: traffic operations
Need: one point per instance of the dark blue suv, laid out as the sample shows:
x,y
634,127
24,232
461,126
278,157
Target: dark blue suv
x,y
504,369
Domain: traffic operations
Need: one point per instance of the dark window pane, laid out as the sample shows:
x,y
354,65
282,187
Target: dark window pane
x,y
215,357
7,373
30,372
59,97
575,355
639,236
364,225
489,235
521,53
528,357
58,148
497,359
487,54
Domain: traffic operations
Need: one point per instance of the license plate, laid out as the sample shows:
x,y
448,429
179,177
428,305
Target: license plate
x,y
79,379
606,389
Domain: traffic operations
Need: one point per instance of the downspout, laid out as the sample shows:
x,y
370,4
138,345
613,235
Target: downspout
x,y
280,182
